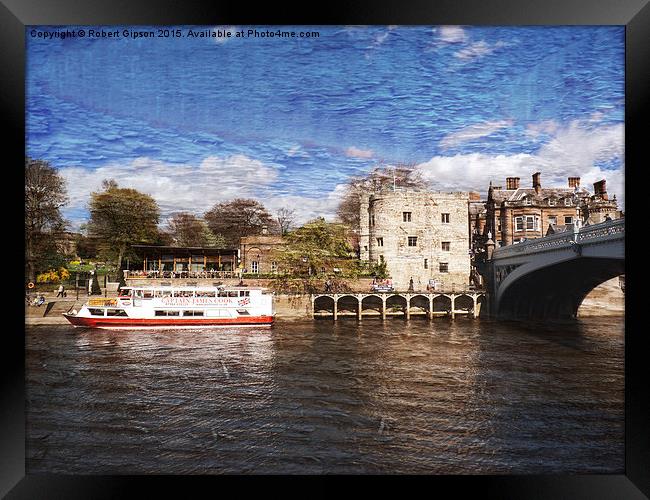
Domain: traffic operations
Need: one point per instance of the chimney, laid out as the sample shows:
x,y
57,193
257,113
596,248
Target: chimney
x,y
574,182
265,230
474,196
600,190
537,183
512,182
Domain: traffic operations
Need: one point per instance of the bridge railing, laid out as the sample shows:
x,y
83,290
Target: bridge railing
x,y
602,231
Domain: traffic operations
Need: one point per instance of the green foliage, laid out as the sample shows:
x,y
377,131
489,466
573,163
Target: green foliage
x,y
313,246
45,194
121,217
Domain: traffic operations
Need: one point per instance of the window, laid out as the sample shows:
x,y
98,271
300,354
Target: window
x,y
205,294
552,219
372,220
147,294
96,312
244,293
527,200
193,313
163,312
116,312
519,223
567,202
568,220
255,267
445,218
552,202
530,223
233,293
413,241
446,246
243,312
380,242
444,267
406,216
274,267
426,263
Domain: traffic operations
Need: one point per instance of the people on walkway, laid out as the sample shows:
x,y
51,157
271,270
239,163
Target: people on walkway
x,y
61,291
411,289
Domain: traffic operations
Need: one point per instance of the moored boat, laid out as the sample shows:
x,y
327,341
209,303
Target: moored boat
x,y
177,307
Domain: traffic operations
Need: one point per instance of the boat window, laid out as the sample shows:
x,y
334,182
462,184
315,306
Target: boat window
x,y
116,312
218,313
96,312
184,293
166,312
147,294
243,312
223,293
244,293
233,293
206,294
193,313
138,293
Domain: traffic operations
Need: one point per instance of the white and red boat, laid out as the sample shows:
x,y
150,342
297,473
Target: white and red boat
x,y
177,307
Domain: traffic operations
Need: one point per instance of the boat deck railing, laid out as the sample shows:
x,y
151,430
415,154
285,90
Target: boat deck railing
x,y
170,275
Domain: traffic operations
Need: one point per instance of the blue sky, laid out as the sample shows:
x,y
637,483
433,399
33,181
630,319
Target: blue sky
x,y
196,121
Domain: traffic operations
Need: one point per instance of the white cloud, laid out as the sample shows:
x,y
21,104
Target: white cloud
x,y
574,150
451,34
353,152
194,188
472,132
548,127
478,49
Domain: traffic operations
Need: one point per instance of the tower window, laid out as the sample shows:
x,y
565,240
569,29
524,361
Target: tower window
x,y
413,241
406,216
445,218
446,246
380,242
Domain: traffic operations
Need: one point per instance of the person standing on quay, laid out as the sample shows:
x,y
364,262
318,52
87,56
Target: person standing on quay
x,y
60,291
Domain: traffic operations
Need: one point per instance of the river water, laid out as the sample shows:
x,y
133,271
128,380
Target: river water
x,y
442,397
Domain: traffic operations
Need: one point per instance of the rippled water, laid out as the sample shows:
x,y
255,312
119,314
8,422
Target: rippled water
x,y
317,397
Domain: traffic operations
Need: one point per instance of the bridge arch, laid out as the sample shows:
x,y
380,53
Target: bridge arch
x,y
555,291
348,303
442,303
372,303
396,303
419,303
324,303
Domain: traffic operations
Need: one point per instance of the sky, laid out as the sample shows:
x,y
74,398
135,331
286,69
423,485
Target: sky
x,y
194,121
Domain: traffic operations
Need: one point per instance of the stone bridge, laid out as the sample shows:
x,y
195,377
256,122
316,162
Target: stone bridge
x,y
548,278
396,304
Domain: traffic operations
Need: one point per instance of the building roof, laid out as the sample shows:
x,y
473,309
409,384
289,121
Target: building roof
x,y
187,249
501,195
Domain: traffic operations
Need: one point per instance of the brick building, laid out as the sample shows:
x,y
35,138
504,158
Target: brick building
x,y
257,252
516,213
419,234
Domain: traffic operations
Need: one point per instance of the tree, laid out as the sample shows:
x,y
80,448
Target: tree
x,y
379,179
45,194
285,217
315,245
237,218
188,230
120,217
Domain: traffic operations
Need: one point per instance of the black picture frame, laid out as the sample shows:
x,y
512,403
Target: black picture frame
x,y
634,14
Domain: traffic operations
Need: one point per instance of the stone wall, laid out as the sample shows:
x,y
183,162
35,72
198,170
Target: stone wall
x,y
389,231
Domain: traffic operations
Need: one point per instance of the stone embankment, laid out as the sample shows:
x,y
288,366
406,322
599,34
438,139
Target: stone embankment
x,y
605,300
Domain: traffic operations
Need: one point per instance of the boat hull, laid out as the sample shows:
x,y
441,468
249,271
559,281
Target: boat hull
x,y
140,323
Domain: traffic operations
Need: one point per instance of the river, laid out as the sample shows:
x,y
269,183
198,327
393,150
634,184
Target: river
x,y
442,397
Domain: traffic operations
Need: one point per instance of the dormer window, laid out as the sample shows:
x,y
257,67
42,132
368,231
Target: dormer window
x,y
567,202
527,200
552,202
